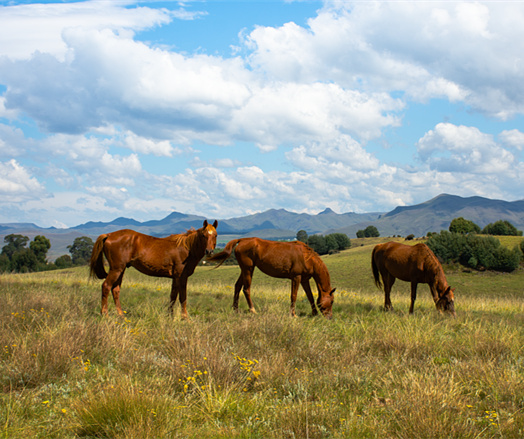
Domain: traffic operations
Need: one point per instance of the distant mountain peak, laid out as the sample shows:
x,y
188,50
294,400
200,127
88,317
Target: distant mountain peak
x,y
326,211
175,215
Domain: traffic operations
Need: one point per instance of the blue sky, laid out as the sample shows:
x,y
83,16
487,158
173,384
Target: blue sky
x,y
224,109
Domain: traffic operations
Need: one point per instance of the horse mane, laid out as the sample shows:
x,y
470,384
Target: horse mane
x,y
431,260
309,253
185,240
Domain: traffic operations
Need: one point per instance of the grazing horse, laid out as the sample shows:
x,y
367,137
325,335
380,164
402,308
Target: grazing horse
x,y
285,260
175,256
415,264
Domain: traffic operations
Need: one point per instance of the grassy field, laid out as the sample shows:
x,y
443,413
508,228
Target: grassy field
x,y
66,372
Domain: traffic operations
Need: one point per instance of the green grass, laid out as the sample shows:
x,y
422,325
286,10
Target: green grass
x,y
67,372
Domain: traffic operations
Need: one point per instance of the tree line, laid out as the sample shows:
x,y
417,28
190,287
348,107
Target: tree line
x,y
325,244
465,244
17,257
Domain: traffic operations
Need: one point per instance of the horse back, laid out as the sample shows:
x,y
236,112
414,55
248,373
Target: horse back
x,y
276,259
409,263
148,254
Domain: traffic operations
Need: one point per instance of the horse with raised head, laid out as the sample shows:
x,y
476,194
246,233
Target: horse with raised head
x,y
175,256
285,260
415,264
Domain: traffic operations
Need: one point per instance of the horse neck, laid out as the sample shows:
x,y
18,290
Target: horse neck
x,y
439,281
191,242
321,274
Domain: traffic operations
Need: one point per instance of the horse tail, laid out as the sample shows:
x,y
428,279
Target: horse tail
x,y
224,254
374,268
96,265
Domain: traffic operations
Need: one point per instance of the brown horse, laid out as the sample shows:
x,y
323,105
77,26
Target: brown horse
x,y
285,260
175,256
415,264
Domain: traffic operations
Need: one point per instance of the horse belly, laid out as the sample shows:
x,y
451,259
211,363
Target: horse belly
x,y
407,273
164,269
282,271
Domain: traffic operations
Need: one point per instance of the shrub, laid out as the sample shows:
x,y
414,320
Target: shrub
x,y
461,225
368,232
474,251
501,228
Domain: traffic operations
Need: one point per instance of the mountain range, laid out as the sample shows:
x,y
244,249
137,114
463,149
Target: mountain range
x,y
430,216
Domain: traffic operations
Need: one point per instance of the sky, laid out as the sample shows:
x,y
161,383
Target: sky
x,y
227,108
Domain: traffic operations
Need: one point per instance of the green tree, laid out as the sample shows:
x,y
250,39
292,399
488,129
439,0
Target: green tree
x,y
24,261
81,250
501,228
368,232
331,243
318,243
40,245
479,252
64,261
13,243
302,236
5,263
343,241
464,226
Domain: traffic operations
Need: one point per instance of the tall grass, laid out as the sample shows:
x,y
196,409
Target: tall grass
x,y
67,372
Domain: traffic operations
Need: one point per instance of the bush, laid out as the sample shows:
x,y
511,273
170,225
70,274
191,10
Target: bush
x,y
331,243
368,232
501,228
474,251
461,225
318,243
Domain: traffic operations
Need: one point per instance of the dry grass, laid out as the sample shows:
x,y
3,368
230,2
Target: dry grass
x,y
67,372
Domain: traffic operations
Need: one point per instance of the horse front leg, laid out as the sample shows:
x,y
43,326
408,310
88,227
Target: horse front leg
x,y
236,297
183,298
295,282
413,296
309,294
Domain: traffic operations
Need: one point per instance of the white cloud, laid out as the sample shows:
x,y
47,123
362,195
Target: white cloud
x,y
149,146
454,50
452,148
17,184
31,28
512,138
103,100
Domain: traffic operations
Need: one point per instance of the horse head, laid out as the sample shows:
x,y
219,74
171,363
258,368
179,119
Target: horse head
x,y
208,235
446,302
325,303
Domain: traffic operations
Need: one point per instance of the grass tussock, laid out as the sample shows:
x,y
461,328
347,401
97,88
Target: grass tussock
x,y
66,372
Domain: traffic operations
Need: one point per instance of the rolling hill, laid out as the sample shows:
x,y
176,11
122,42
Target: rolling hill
x,y
430,216
436,214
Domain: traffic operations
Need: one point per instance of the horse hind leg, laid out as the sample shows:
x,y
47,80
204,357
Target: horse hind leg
x,y
112,284
388,281
413,296
247,278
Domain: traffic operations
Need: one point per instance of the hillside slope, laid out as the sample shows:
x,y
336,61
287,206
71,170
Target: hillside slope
x,y
436,214
430,216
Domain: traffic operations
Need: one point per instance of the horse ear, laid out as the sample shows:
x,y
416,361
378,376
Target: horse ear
x,y
215,224
205,223
332,291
